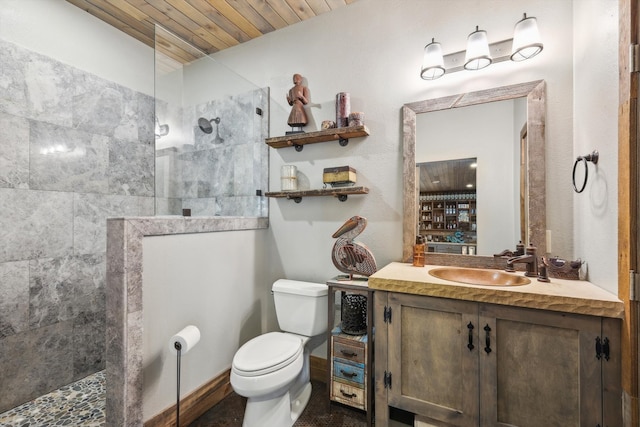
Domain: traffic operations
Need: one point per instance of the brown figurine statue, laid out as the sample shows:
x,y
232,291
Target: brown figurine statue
x,y
297,97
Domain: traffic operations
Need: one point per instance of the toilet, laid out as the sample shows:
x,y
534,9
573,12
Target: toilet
x,y
272,370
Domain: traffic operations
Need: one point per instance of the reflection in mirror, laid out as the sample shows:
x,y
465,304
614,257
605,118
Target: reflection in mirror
x,y
525,189
491,132
447,205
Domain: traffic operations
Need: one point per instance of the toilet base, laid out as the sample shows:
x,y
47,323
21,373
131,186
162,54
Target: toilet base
x,y
280,411
298,405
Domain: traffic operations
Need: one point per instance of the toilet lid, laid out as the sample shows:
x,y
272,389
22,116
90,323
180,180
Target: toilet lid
x,y
267,353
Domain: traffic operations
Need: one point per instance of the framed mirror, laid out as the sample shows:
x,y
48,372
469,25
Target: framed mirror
x,y
532,210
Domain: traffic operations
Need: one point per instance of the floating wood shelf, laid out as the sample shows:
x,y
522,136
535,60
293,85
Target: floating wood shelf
x,y
299,140
339,192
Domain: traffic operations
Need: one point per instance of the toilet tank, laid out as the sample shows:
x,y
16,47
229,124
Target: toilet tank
x,y
301,307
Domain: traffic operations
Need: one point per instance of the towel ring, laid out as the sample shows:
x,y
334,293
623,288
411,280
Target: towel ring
x,y
593,157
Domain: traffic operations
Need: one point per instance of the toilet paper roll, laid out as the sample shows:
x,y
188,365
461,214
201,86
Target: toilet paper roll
x,y
187,338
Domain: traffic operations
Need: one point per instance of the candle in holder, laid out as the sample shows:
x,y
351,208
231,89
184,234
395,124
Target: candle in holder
x,y
356,119
289,177
343,108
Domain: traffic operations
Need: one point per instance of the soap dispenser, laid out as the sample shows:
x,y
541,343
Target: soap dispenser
x,y
418,252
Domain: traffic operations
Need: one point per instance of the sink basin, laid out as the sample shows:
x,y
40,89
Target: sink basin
x,y
476,276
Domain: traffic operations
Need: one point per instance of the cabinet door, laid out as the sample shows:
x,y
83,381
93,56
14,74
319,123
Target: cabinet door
x,y
540,368
434,369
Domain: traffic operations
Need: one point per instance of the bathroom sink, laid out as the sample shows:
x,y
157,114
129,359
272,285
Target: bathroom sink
x,y
476,276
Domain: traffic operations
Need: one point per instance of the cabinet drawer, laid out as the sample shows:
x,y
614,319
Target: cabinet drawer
x,y
348,395
348,372
348,350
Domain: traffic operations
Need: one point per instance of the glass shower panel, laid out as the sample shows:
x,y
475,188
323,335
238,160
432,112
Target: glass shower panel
x,y
211,158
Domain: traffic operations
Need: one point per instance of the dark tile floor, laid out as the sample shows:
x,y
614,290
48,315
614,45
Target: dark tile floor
x,y
228,413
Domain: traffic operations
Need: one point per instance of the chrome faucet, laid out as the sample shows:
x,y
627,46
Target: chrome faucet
x,y
529,258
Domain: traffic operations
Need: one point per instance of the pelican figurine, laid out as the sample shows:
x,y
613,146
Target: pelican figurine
x,y
352,257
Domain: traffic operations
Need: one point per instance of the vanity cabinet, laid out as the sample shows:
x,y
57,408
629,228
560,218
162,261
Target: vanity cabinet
x,y
464,363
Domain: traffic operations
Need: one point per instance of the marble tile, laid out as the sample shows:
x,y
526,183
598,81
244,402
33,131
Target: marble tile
x,y
35,362
13,92
202,206
14,304
90,218
106,108
208,173
49,86
99,107
64,159
63,288
169,206
241,205
88,343
145,118
242,158
35,224
131,168
14,151
34,86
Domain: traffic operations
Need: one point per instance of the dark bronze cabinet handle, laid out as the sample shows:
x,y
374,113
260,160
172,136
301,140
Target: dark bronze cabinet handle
x,y
348,374
347,395
470,346
488,339
348,353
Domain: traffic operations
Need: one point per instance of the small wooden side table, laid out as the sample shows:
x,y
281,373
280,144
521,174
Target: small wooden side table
x,y
350,357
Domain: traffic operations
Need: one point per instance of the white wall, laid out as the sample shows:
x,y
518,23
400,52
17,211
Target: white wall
x,y
373,49
214,281
595,106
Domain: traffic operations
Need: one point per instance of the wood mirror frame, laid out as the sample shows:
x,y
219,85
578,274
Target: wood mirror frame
x,y
536,115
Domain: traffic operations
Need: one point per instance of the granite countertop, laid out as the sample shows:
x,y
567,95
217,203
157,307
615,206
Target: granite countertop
x,y
571,296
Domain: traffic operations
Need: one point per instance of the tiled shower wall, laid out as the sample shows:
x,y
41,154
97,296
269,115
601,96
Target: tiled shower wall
x,y
74,150
217,178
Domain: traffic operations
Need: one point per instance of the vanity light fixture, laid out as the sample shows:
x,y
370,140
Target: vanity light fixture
x,y
525,44
477,55
433,62
526,39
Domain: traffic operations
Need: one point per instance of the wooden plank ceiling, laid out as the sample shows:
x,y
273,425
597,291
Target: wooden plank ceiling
x,y
448,175
208,25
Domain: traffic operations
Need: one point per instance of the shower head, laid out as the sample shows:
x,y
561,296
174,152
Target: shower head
x,y
205,124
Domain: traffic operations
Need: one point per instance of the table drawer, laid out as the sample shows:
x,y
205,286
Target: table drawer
x,y
349,350
348,372
348,395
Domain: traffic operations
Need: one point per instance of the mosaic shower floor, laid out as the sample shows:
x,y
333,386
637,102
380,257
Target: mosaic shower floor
x,y
78,404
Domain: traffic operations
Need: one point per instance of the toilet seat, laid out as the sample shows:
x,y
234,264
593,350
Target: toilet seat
x,y
267,353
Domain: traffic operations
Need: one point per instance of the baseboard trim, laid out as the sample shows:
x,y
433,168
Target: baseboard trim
x,y
318,368
212,393
195,404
